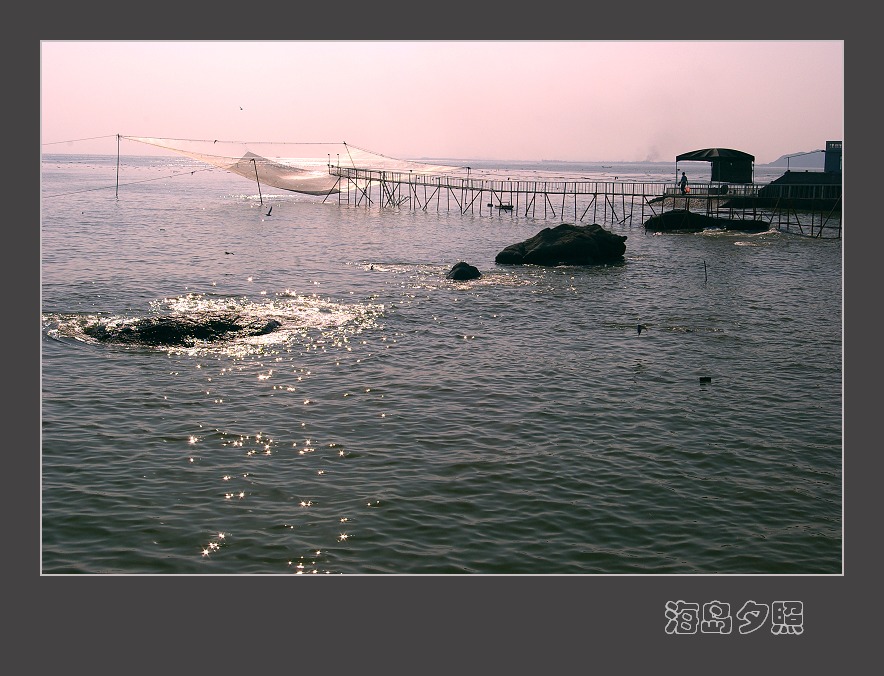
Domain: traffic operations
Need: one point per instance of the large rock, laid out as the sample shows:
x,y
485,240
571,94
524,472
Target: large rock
x,y
567,244
463,271
180,330
680,220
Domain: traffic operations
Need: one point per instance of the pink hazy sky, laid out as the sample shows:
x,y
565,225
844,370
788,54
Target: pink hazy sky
x,y
506,100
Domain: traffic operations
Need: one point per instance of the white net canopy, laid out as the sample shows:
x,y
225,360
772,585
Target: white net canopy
x,y
308,168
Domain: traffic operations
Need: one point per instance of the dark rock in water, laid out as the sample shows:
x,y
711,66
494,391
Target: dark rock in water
x,y
463,271
180,330
681,220
269,327
567,244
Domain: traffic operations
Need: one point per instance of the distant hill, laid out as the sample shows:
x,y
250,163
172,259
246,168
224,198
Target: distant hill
x,y
816,159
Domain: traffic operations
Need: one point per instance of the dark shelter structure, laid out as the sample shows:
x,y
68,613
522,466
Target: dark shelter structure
x,y
728,166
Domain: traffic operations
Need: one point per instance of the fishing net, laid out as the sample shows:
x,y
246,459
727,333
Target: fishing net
x,y
309,168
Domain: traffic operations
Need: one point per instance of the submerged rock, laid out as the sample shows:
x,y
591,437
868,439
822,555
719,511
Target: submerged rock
x,y
180,330
681,220
463,271
567,244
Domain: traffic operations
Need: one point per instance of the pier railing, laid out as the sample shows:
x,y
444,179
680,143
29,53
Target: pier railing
x,y
813,210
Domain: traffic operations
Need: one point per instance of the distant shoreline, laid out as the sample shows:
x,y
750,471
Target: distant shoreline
x,y
796,163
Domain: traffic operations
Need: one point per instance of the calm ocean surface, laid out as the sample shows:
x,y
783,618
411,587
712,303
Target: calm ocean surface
x,y
402,423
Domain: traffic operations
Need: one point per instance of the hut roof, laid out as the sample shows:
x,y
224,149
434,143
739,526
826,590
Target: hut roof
x,y
712,154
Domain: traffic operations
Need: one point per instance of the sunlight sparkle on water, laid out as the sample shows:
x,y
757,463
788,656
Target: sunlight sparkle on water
x,y
214,545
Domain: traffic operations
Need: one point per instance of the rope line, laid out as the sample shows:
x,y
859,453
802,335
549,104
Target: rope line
x,y
147,180
197,140
349,155
93,138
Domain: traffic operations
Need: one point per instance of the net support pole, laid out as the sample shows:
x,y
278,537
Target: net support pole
x,y
260,197
117,189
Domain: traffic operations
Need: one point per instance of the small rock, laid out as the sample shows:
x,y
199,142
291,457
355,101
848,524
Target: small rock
x,y
463,271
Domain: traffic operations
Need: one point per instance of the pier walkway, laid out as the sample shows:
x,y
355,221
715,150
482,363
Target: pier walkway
x,y
812,210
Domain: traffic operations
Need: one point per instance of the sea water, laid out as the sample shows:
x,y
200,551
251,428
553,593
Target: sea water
x,y
400,423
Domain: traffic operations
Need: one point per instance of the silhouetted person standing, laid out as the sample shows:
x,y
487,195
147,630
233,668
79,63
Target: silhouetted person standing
x,y
683,183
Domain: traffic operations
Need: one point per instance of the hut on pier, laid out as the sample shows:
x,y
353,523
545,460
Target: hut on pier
x,y
728,166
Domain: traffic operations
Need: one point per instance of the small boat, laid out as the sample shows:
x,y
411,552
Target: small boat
x,y
505,207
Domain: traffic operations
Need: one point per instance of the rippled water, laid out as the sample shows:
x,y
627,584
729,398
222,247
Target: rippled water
x,y
402,423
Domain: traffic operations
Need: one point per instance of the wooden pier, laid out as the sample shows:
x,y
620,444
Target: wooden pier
x,y
814,211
